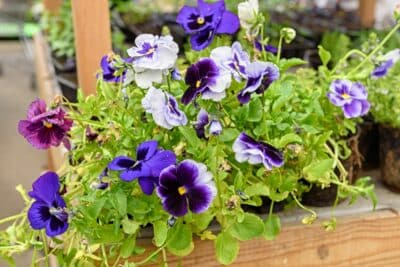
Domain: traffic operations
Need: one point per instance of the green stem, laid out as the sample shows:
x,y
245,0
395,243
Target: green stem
x,y
314,214
117,261
350,53
271,208
264,53
165,262
278,57
46,250
12,218
381,44
151,256
103,251
33,258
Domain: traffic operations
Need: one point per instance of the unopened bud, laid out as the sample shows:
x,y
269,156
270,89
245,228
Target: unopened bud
x,y
288,34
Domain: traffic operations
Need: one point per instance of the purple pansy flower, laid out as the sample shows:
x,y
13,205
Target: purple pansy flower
x,y
100,184
256,152
268,48
107,65
150,161
206,20
188,186
351,97
233,59
48,210
206,79
164,108
388,61
44,128
259,75
203,120
152,57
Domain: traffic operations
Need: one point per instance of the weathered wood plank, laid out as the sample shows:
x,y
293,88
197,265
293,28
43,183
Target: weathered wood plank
x,y
52,5
92,39
371,239
367,12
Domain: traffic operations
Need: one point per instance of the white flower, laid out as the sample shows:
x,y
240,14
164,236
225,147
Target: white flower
x,y
248,12
152,55
164,108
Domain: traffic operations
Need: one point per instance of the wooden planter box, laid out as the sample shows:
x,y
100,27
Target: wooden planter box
x,y
362,237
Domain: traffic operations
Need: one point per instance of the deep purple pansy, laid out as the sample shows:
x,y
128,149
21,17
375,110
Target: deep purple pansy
x,y
206,79
268,48
188,186
100,184
203,120
48,211
256,152
260,75
109,70
44,128
206,20
351,97
150,161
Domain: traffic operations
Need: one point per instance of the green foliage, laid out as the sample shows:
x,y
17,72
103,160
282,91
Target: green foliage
x,y
226,248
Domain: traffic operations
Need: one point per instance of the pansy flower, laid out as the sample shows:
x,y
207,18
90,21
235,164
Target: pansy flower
x,y
150,161
268,48
203,120
109,69
260,75
233,59
44,128
188,186
206,20
351,97
248,16
152,57
164,108
389,60
48,211
206,79
256,152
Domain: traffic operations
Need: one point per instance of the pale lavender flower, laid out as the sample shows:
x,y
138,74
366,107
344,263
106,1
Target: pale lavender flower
x,y
256,152
164,108
203,121
351,97
389,60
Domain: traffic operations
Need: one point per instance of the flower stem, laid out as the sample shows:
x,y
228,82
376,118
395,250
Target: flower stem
x,y
388,36
350,53
103,251
313,213
33,258
271,208
117,261
278,56
46,250
165,262
12,218
151,256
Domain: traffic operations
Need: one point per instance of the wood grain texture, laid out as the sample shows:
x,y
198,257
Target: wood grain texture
x,y
92,39
367,12
47,86
370,240
52,5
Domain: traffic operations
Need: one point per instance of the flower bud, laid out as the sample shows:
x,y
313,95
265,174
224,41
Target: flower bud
x,y
215,127
288,34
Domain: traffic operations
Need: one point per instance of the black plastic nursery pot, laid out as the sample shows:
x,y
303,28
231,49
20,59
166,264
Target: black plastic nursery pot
x,y
320,197
368,144
63,64
68,83
389,153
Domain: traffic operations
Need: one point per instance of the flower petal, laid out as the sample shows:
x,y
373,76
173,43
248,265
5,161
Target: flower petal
x,y
200,198
160,161
203,39
38,215
36,108
147,184
229,23
352,109
121,163
176,205
46,188
146,150
56,227
139,170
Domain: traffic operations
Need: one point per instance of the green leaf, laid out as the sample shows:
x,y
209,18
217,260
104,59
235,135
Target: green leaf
x,y
95,208
127,247
285,64
226,248
190,136
288,139
229,134
272,227
160,229
120,202
318,170
251,226
255,110
180,239
324,55
129,226
258,189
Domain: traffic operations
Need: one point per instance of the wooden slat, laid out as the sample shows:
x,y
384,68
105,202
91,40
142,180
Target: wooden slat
x,y
45,81
371,239
92,39
367,12
52,5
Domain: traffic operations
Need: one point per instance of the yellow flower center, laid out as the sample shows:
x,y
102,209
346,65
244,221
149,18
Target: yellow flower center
x,y
346,96
151,51
200,20
198,83
47,124
182,190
